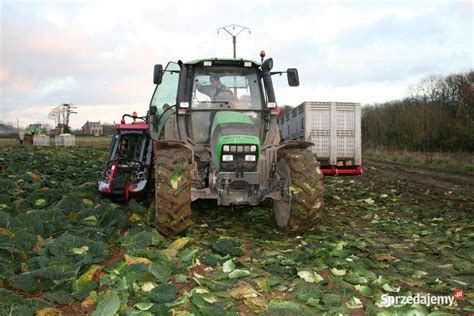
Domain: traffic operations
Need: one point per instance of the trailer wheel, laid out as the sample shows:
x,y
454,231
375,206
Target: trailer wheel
x,y
172,191
303,207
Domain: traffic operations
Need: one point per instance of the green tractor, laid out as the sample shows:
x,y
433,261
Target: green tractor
x,y
31,131
215,132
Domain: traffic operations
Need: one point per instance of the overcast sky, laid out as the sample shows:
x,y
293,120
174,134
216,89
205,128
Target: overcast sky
x,y
99,55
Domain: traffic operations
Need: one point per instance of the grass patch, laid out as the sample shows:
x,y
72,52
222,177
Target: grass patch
x,y
93,141
7,142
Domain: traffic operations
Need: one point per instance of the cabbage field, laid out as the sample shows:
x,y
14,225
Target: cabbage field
x,y
65,250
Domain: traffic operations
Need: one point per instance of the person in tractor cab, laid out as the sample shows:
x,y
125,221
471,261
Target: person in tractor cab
x,y
216,90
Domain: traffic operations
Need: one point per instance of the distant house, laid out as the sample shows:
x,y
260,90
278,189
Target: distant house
x,y
93,128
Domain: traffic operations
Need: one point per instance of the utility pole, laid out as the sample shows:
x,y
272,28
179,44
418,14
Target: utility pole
x,y
234,30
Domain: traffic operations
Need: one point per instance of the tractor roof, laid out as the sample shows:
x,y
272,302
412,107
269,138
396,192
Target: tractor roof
x,y
197,61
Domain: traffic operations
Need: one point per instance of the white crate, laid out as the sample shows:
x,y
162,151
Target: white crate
x,y
333,127
41,140
69,140
65,140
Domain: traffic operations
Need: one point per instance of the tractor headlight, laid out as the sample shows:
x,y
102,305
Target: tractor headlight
x,y
250,158
227,157
226,148
253,148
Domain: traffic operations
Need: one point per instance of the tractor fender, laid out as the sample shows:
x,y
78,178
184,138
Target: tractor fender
x,y
175,144
294,144
301,144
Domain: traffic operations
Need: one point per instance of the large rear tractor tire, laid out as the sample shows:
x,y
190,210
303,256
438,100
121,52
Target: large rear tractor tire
x,y
172,190
302,210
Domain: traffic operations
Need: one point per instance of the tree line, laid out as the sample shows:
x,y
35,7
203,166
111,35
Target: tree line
x,y
437,116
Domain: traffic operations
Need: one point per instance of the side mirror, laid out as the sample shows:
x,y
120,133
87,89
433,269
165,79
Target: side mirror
x,y
293,79
157,74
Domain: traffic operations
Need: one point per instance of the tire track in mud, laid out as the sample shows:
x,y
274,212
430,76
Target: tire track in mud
x,y
427,177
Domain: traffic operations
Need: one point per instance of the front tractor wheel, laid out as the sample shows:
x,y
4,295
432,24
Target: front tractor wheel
x,y
302,208
173,190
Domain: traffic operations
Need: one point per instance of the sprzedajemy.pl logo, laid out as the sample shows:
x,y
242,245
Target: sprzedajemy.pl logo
x,y
387,300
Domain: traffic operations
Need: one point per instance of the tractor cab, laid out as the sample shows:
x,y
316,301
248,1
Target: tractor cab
x,y
226,119
220,90
127,169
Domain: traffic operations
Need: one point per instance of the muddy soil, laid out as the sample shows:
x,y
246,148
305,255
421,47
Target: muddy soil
x,y
442,180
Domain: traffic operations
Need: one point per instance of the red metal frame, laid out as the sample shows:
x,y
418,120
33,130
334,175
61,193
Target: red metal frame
x,y
135,125
127,190
113,170
342,170
132,126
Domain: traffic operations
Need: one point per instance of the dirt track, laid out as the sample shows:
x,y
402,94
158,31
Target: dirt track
x,y
428,177
435,191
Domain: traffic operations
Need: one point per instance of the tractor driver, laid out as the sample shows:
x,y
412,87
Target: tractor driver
x,y
216,90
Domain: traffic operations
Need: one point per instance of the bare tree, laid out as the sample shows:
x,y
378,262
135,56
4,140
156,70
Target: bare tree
x,y
61,115
67,109
55,116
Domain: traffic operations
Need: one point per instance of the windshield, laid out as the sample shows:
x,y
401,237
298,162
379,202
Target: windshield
x,y
226,88
223,88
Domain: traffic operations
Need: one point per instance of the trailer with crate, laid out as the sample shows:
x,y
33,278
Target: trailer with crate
x,y
335,130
